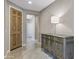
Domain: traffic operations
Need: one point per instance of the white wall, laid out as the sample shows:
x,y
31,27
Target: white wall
x,y
6,31
62,9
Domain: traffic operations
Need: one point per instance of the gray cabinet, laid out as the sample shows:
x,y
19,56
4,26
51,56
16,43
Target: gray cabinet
x,y
60,46
69,48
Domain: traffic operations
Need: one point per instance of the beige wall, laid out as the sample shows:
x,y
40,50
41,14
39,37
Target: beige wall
x,y
6,28
37,31
62,9
6,31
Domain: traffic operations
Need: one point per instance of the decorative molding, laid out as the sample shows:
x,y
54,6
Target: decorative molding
x,y
11,3
46,7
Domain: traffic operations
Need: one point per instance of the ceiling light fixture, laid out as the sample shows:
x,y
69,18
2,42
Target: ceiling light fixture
x,y
29,2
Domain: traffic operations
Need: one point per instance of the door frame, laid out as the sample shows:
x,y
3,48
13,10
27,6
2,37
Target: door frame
x,y
35,23
9,22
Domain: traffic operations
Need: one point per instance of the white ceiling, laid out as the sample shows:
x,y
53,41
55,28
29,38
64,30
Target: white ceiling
x,y
37,5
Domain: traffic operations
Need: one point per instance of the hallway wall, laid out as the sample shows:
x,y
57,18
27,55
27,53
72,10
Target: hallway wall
x,y
62,9
6,28
6,24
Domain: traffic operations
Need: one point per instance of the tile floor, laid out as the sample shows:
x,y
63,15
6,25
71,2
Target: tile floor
x,y
31,51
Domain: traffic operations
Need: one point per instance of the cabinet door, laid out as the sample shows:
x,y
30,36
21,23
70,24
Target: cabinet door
x,y
43,41
15,28
70,50
59,47
47,40
52,44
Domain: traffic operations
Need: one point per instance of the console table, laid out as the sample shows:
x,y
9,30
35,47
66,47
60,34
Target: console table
x,y
62,46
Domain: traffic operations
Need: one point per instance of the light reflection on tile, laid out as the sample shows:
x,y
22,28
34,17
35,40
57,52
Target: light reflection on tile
x,y
31,51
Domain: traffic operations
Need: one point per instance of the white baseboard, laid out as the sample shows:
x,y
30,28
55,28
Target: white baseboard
x,y
38,42
23,45
8,51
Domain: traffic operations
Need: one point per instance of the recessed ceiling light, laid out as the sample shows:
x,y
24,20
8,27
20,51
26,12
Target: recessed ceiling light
x,y
29,2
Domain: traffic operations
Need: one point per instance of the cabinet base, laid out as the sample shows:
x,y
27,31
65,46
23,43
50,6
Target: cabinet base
x,y
49,53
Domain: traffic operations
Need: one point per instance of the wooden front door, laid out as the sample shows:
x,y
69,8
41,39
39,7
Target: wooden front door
x,y
15,28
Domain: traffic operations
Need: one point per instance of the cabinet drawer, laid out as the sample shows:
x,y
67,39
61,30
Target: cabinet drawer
x,y
58,39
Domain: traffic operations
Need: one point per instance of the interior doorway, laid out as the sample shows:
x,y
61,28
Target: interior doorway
x,y
30,26
30,30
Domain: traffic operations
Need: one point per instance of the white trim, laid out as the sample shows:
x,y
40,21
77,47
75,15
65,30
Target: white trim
x,y
23,45
9,23
7,54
